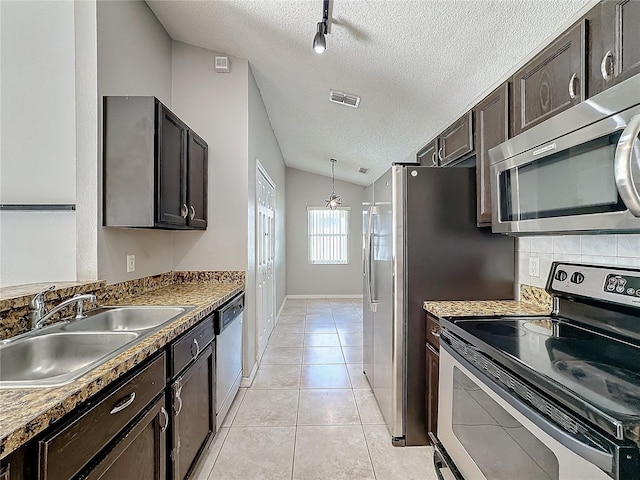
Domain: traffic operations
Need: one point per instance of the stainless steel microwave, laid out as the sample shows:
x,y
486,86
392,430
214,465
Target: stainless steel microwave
x,y
576,172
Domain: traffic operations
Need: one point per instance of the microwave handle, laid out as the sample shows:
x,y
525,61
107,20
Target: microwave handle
x,y
624,169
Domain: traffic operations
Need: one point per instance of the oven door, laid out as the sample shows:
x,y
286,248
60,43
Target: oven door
x,y
588,179
491,435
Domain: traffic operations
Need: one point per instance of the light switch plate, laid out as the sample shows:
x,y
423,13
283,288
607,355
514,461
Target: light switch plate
x,y
131,263
534,266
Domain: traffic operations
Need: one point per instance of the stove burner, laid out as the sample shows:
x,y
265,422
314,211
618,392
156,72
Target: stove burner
x,y
500,329
617,384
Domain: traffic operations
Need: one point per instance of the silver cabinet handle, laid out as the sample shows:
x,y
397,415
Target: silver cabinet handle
x,y
184,211
165,416
572,86
177,404
440,154
197,345
123,403
193,212
434,162
624,167
435,332
606,67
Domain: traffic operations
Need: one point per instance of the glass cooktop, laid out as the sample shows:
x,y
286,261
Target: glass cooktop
x,y
566,361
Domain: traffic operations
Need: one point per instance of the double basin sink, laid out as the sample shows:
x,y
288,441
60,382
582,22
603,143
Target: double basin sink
x,y
59,354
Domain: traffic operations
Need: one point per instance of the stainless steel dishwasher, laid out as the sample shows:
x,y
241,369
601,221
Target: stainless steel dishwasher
x,y
228,328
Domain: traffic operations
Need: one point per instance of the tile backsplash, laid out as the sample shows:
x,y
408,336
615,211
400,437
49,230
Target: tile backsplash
x,y
623,250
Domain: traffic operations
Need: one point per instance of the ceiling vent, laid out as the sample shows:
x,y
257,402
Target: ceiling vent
x,y
363,170
344,98
222,64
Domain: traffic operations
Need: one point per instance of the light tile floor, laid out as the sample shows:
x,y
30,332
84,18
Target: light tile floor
x,y
310,413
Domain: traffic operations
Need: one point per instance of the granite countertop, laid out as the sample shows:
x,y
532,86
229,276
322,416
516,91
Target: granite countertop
x,y
24,413
483,308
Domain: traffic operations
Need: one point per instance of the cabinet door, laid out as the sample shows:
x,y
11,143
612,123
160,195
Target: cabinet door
x,y
428,155
141,451
171,194
457,140
492,128
197,181
614,43
433,367
552,82
193,414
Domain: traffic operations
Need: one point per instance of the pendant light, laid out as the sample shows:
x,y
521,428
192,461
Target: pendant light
x,y
333,200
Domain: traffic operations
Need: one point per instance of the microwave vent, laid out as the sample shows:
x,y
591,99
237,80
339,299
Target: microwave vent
x,y
344,98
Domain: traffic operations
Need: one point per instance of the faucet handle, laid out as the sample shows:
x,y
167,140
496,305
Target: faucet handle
x,y
37,300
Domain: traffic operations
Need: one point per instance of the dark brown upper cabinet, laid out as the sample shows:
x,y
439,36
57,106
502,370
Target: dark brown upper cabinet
x,y
198,152
427,156
154,167
492,128
614,43
456,141
551,82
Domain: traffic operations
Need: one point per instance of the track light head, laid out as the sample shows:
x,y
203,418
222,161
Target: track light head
x,y
319,42
324,27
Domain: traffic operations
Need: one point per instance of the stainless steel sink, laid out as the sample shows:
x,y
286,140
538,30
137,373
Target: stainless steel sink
x,y
57,358
125,319
59,354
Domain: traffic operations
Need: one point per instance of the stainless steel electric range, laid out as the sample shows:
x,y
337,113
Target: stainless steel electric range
x,y
546,397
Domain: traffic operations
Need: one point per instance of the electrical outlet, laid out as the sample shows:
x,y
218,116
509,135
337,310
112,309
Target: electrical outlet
x,y
131,263
534,266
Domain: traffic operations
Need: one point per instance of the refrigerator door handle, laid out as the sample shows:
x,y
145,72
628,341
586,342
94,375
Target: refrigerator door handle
x,y
369,259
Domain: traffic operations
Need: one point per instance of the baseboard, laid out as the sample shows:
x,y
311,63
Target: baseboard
x,y
247,381
321,297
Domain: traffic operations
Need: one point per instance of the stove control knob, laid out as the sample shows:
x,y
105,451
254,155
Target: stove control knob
x,y
577,277
620,289
561,275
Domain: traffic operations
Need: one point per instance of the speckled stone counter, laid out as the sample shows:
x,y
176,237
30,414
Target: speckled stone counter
x,y
24,413
535,301
483,308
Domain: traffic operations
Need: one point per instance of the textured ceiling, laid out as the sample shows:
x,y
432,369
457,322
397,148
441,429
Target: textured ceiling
x,y
416,64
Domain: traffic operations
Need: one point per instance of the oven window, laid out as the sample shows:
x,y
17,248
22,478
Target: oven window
x,y
576,181
499,445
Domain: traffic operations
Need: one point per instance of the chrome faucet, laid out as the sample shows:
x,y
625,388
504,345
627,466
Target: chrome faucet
x,y
39,316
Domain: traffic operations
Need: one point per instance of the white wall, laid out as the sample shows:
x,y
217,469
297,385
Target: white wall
x,y
134,58
623,250
306,189
264,147
38,102
215,106
37,140
86,51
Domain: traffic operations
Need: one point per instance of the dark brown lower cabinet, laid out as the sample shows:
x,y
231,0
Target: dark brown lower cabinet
x,y
141,453
193,413
433,366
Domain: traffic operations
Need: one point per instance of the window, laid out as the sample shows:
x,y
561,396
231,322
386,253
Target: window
x,y
328,235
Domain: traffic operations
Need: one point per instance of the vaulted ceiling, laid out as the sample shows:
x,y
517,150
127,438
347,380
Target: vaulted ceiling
x,y
417,65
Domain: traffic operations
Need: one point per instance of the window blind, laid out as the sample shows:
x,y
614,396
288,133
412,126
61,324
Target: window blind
x,y
328,232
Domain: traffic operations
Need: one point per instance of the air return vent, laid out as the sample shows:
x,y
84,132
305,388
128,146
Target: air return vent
x,y
222,64
344,98
363,170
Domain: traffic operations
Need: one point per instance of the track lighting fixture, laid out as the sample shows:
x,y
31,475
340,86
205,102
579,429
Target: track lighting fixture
x,y
333,200
324,27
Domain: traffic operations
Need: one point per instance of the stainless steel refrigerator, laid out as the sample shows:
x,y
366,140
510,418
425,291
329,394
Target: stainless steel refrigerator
x,y
421,243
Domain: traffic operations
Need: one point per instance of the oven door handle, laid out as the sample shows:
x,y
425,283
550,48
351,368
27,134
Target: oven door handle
x,y
600,457
625,170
